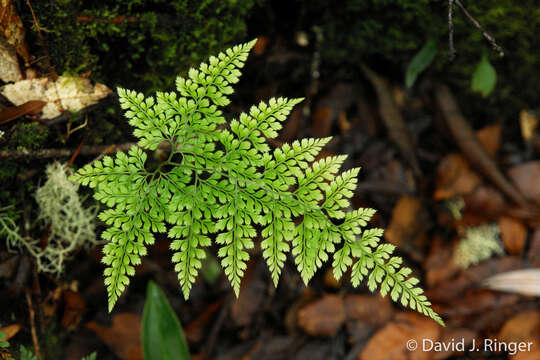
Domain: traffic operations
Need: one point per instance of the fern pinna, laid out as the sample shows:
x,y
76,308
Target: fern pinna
x,y
219,183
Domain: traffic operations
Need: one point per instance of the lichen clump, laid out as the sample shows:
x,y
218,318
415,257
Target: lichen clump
x,y
70,225
478,244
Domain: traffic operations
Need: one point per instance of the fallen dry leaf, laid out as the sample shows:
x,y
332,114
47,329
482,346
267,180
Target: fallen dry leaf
x,y
390,343
123,337
9,66
322,317
368,308
365,314
534,250
399,96
392,118
452,334
490,138
323,117
32,107
10,331
514,234
528,122
523,327
290,127
476,301
245,307
483,205
403,223
439,264
524,282
260,46
408,226
344,124
291,316
333,108
73,310
12,29
8,267
330,281
525,177
532,354
386,176
365,122
64,94
473,276
467,140
455,178
51,302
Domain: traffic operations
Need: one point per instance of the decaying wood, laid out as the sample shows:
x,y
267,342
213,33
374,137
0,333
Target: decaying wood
x,y
58,153
397,129
468,143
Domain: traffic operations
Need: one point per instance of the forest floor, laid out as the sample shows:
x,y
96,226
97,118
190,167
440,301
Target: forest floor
x,y
461,205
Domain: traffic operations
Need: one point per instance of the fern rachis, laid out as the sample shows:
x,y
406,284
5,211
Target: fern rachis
x,y
225,182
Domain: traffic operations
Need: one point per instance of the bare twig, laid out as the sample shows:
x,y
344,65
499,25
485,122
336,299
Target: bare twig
x,y
451,49
75,154
108,150
33,325
473,21
45,50
485,34
70,131
58,153
85,150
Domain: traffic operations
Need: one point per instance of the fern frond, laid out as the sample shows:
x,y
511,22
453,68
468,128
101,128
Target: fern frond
x,y
236,239
150,125
121,254
213,80
375,261
222,183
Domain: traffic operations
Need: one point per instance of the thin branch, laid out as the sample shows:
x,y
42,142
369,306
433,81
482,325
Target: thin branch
x,y
33,325
85,150
59,153
451,49
473,21
75,154
70,131
43,44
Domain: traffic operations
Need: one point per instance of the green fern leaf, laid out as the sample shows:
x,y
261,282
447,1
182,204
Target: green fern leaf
x,y
223,183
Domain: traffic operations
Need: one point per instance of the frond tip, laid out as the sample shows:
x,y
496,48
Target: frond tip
x,y
225,183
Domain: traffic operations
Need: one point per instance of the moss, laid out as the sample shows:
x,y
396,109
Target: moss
x,y
7,171
28,136
134,43
390,32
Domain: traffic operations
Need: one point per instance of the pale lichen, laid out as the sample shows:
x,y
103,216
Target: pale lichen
x,y
478,244
68,223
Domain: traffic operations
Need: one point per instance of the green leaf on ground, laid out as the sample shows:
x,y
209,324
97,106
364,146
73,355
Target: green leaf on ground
x,y
484,77
420,62
162,335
